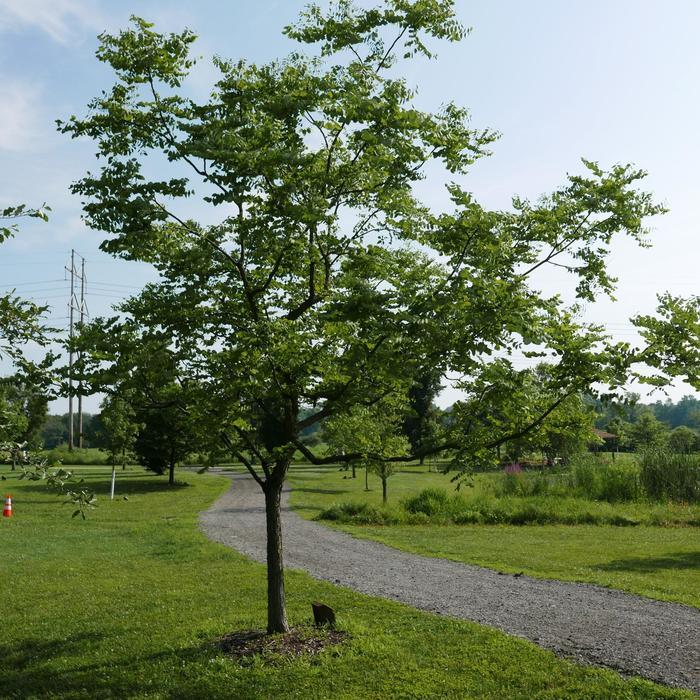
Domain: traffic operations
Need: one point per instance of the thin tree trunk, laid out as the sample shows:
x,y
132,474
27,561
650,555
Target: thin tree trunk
x,y
421,460
171,473
276,606
353,470
14,461
384,489
366,479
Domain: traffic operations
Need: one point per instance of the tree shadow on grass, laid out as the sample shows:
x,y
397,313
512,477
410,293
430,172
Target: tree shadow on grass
x,y
647,565
26,668
126,486
332,492
31,650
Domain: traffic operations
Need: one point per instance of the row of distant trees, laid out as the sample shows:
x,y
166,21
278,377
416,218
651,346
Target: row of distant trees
x,y
675,425
162,437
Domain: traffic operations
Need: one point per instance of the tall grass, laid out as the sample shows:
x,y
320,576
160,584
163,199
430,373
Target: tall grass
x,y
663,489
437,507
85,456
668,476
600,480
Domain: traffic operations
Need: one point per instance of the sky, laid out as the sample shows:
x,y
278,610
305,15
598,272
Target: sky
x,y
613,82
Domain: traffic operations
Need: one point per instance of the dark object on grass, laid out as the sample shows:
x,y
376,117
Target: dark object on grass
x,y
323,615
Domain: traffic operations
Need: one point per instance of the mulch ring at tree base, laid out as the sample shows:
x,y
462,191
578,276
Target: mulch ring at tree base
x,y
299,641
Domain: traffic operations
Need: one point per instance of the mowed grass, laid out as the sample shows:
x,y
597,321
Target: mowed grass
x,y
127,604
658,562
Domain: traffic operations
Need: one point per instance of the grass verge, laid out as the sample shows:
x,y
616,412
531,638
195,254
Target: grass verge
x,y
130,603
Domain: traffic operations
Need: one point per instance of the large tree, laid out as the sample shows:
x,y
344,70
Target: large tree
x,y
319,279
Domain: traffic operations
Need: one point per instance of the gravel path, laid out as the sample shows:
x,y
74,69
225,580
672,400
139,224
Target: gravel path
x,y
633,635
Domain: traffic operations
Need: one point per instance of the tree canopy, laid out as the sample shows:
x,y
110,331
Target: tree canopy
x,y
319,278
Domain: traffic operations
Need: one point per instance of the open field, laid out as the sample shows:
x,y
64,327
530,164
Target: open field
x,y
127,604
658,562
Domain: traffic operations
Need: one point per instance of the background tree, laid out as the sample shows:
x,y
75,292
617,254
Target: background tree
x,y
618,426
30,401
422,423
683,440
567,431
23,396
19,319
120,430
325,282
166,436
372,434
647,432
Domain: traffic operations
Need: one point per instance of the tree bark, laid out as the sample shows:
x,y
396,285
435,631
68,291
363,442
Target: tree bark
x,y
171,473
276,606
384,489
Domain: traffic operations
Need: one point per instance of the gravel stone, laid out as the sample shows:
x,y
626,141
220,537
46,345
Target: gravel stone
x,y
589,624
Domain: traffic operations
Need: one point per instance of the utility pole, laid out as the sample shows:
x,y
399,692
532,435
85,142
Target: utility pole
x,y
74,306
83,311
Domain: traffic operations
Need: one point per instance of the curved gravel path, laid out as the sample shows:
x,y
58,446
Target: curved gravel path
x,y
633,635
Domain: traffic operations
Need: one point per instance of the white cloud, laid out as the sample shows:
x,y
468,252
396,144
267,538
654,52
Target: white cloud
x,y
62,20
19,109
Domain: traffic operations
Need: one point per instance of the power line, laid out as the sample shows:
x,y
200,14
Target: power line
x,y
27,284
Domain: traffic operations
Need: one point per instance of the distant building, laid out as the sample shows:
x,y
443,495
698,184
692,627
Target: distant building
x,y
611,442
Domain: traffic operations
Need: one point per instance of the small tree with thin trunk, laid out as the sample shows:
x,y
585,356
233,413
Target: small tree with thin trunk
x,y
321,280
121,429
373,434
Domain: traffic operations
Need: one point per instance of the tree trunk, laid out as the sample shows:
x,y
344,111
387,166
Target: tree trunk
x,y
421,460
366,479
384,489
14,461
353,470
276,607
171,473
114,478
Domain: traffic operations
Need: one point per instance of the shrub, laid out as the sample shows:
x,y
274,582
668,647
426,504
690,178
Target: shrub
x,y
430,502
359,513
665,475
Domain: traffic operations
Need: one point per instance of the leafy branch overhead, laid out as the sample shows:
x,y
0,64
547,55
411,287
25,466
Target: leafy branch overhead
x,y
64,482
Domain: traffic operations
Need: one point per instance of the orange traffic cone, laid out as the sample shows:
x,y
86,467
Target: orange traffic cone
x,y
7,510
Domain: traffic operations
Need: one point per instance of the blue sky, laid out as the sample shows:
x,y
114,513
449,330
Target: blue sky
x,y
608,81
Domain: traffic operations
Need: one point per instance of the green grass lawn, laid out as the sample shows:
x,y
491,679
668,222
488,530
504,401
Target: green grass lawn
x,y
658,562
126,604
